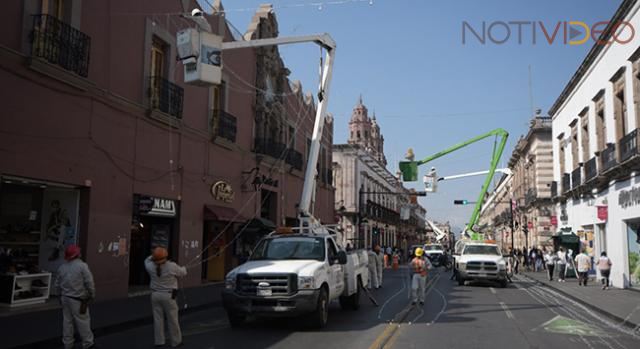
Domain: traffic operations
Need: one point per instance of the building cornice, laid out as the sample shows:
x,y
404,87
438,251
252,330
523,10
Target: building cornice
x,y
592,56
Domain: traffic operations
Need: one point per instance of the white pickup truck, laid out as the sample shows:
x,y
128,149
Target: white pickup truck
x,y
294,274
480,261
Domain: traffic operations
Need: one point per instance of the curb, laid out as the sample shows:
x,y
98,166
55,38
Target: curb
x,y
108,330
619,320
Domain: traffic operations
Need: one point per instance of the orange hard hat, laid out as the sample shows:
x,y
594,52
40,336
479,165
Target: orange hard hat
x,y
159,254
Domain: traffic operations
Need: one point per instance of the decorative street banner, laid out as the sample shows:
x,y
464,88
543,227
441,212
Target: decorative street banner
x,y
603,213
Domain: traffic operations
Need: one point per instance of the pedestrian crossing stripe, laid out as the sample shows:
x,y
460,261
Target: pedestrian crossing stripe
x,y
564,325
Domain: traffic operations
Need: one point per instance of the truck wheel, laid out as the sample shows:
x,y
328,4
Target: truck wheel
x,y
318,319
460,281
503,283
235,320
355,298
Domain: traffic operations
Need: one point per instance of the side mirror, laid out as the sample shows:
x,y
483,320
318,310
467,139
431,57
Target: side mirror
x,y
342,257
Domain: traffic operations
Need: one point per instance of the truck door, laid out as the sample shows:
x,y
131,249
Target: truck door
x,y
336,276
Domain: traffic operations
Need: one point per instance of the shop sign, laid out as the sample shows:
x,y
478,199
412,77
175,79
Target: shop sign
x,y
554,221
603,213
628,198
152,206
222,191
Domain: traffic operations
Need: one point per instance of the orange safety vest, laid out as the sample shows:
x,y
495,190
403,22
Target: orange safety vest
x,y
419,266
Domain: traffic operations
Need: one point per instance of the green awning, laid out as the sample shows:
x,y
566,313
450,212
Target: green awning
x,y
567,238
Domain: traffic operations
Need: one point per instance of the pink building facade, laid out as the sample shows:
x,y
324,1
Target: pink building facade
x,y
101,143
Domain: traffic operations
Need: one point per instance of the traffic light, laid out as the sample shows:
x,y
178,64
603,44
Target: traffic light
x,y
460,202
375,231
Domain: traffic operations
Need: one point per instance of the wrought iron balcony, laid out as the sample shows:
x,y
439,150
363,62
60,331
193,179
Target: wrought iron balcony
x,y
554,189
61,44
566,182
576,178
166,96
590,169
530,197
227,126
629,146
269,147
608,157
294,158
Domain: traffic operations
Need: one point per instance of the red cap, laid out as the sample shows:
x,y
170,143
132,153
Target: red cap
x,y
72,251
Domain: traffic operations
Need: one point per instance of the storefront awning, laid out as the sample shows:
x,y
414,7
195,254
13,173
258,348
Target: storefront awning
x,y
221,213
567,238
259,224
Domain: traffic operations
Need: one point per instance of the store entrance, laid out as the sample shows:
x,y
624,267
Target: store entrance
x,y
633,243
148,233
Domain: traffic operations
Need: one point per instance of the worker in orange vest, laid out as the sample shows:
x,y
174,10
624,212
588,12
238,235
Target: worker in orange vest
x,y
396,260
419,268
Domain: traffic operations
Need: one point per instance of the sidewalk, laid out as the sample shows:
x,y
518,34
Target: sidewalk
x,y
622,306
41,326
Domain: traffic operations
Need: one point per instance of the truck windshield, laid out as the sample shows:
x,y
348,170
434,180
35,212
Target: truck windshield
x,y
482,249
290,248
433,248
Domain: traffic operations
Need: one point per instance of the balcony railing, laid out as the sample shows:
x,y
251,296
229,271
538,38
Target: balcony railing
x,y
166,96
227,127
270,147
590,169
566,182
629,145
294,158
576,178
554,189
60,44
608,157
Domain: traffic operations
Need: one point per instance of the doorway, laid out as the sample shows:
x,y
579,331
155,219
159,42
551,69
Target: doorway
x,y
147,234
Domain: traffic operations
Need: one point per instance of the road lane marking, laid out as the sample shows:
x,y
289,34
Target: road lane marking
x,y
506,310
387,337
404,284
445,304
492,290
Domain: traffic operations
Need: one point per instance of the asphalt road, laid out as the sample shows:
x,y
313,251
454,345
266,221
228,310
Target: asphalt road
x,y
523,315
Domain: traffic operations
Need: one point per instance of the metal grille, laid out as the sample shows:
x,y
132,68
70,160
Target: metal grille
x,y
227,127
294,158
166,96
60,44
609,157
629,146
576,177
280,284
269,147
482,266
590,170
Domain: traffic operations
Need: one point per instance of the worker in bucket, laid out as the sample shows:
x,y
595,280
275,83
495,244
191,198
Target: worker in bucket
x,y
419,268
373,268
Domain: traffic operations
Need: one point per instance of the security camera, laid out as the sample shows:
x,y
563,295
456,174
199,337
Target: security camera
x,y
197,13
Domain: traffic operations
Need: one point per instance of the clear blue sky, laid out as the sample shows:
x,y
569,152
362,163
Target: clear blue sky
x,y
430,91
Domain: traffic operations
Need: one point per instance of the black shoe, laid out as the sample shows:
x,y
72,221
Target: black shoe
x,y
421,303
413,303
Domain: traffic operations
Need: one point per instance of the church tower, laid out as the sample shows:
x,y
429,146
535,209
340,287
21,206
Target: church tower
x,y
365,132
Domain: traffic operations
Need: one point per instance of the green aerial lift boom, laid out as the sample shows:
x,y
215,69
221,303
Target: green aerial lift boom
x,y
409,170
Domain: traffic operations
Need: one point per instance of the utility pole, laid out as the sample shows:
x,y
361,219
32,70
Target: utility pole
x,y
512,225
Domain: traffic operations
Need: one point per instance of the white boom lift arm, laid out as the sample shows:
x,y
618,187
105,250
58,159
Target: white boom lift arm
x,y
326,42
471,174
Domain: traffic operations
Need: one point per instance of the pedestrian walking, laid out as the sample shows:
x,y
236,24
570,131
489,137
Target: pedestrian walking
x,y
373,268
516,261
74,284
604,264
419,267
562,264
583,264
379,265
164,276
550,259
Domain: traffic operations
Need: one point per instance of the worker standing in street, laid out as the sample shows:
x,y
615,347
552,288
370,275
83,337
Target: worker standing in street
x,y
164,286
373,268
379,265
74,284
419,267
